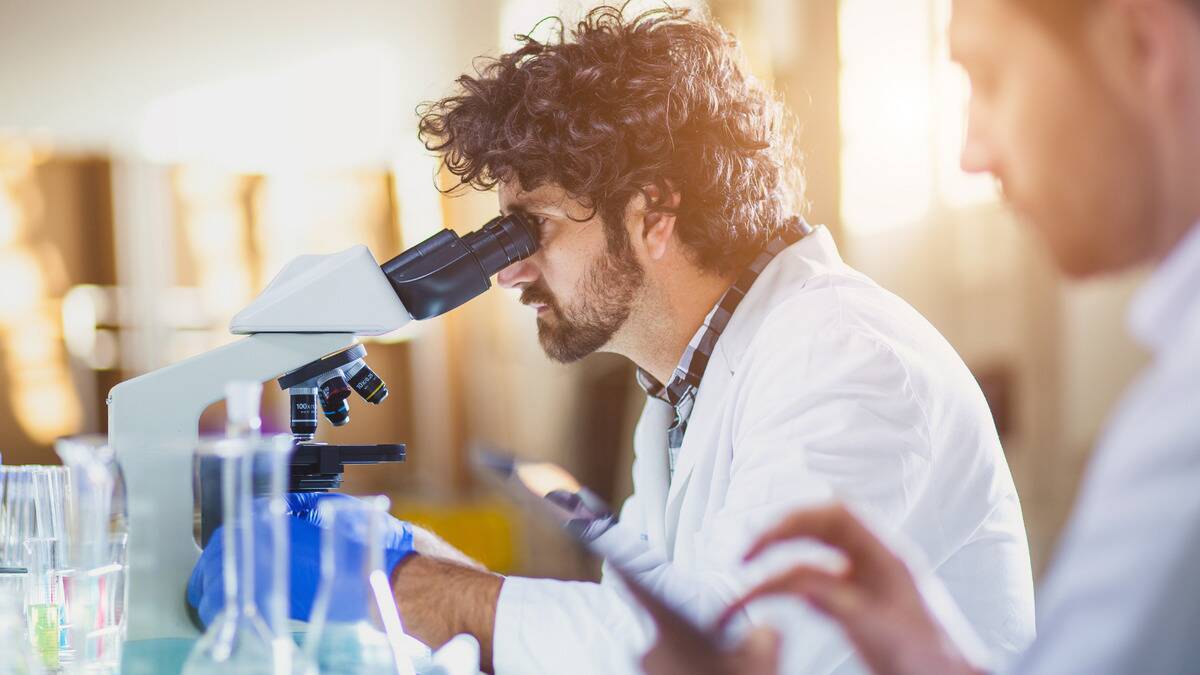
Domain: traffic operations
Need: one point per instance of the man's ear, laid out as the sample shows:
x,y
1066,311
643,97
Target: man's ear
x,y
1141,43
658,220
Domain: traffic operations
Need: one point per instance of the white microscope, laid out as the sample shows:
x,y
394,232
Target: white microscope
x,y
302,329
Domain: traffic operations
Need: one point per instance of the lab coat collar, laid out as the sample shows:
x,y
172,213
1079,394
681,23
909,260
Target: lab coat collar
x,y
810,257
1167,308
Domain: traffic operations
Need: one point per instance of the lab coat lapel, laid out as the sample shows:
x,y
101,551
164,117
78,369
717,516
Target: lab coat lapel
x,y
651,471
697,440
820,253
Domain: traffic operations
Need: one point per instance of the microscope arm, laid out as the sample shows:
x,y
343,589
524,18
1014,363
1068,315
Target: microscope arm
x,y
315,306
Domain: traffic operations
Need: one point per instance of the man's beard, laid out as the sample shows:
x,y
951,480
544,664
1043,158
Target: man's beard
x,y
604,299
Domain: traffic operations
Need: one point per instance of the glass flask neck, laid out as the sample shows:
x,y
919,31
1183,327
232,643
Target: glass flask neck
x,y
238,562
351,552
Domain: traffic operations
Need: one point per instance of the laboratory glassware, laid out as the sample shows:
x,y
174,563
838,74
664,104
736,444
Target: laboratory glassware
x,y
34,499
16,525
249,635
355,628
31,508
459,656
45,606
96,583
32,563
17,656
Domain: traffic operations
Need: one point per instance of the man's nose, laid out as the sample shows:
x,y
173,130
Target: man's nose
x,y
517,274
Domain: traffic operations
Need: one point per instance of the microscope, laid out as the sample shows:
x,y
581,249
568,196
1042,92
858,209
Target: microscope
x,y
301,330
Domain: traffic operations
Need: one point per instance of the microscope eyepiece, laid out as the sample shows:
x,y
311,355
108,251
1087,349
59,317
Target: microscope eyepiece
x,y
502,241
445,270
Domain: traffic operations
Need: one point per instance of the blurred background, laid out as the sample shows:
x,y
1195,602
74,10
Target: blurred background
x,y
161,160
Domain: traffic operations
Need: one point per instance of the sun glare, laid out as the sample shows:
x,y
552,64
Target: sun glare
x,y
903,119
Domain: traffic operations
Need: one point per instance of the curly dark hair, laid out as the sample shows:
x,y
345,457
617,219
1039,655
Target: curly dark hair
x,y
660,99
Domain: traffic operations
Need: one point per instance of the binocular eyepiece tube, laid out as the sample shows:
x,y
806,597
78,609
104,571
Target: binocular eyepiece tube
x,y
430,279
445,270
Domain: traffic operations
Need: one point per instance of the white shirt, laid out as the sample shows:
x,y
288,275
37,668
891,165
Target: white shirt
x,y
822,385
1134,539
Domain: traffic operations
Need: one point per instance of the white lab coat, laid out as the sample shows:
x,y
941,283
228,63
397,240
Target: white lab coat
x,y
822,385
1132,542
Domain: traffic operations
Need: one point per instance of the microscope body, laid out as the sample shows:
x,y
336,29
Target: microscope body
x,y
301,329
154,419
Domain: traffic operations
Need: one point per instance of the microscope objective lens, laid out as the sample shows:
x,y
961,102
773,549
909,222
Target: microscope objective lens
x,y
366,383
333,392
304,412
334,388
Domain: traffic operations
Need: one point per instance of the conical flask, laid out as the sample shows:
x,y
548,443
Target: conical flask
x,y
249,636
355,628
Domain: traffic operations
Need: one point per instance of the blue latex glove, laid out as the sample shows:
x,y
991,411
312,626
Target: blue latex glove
x,y
397,540
206,587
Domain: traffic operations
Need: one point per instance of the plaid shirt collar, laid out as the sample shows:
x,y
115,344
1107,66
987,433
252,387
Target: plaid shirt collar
x,y
680,391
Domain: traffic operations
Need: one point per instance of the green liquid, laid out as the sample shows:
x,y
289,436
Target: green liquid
x,y
44,631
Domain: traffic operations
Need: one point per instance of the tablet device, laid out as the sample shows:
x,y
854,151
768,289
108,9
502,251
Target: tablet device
x,y
555,494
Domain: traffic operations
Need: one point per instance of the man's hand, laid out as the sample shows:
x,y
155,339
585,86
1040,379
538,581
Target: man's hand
x,y
758,654
399,537
206,587
439,590
875,598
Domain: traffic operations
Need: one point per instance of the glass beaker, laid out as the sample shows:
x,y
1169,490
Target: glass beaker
x,y
32,508
249,635
45,606
16,525
16,656
95,587
32,559
355,628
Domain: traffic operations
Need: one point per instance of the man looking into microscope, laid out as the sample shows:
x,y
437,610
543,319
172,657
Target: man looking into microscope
x,y
662,179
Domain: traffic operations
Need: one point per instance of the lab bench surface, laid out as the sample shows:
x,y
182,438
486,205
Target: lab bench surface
x,y
155,657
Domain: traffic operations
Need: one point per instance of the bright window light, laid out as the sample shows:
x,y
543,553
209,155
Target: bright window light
x,y
903,116
339,109
518,17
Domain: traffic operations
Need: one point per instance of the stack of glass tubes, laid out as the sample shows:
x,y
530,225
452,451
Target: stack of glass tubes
x,y
62,566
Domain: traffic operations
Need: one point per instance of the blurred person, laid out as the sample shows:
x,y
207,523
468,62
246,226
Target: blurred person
x,y
1088,113
663,181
